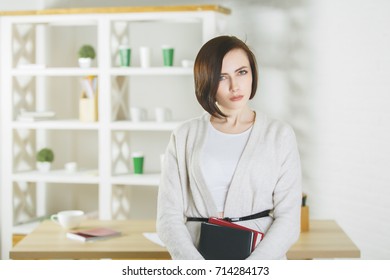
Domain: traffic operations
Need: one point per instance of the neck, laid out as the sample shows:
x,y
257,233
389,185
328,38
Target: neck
x,y
236,121
236,117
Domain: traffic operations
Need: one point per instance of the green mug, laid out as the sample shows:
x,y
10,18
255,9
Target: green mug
x,y
125,56
168,54
138,162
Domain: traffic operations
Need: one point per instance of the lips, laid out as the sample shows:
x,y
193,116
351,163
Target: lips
x,y
237,98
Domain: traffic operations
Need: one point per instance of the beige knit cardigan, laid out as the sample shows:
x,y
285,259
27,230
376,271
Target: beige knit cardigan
x,y
268,176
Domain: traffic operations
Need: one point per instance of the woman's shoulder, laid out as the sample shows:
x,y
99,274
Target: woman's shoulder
x,y
193,124
273,127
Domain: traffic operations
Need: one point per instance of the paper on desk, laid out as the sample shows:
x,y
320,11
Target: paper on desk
x,y
152,236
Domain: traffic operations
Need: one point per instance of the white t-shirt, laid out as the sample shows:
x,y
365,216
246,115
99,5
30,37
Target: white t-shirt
x,y
219,157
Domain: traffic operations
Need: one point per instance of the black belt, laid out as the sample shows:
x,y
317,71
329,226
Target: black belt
x,y
245,218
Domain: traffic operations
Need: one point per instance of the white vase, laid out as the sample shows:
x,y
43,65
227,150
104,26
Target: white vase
x,y
85,62
43,166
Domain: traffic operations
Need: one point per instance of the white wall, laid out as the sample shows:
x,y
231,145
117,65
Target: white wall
x,y
21,5
324,68
351,63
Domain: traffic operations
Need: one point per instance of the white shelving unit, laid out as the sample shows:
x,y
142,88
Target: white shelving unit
x,y
39,72
152,71
47,72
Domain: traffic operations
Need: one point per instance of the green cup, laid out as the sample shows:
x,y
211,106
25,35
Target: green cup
x,y
138,162
125,56
168,53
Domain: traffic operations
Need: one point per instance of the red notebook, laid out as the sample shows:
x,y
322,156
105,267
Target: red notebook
x,y
92,234
257,235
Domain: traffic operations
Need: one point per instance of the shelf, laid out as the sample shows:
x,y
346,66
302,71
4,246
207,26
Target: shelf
x,y
144,126
65,71
125,71
40,70
78,125
117,10
58,176
56,125
138,71
86,177
152,179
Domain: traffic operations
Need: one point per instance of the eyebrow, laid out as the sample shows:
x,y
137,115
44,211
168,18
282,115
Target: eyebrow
x,y
237,70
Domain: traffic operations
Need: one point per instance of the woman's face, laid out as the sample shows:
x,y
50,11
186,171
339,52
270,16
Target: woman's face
x,y
235,82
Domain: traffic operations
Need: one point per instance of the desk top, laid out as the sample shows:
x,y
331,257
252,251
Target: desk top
x,y
326,239
48,241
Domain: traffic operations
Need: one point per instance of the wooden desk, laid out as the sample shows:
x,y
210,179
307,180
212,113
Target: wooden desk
x,y
324,240
48,241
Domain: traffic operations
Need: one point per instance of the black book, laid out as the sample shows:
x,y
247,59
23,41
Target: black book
x,y
224,243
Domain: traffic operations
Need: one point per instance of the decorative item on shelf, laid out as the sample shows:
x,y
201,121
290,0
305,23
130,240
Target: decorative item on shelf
x,y
88,104
138,162
304,214
138,114
86,54
70,167
44,158
31,116
125,55
144,57
186,63
31,66
163,114
168,54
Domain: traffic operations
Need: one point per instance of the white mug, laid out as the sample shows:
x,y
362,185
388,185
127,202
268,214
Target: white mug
x,y
144,53
68,219
187,63
71,166
137,114
163,114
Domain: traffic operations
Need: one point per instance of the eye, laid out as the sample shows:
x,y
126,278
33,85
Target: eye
x,y
222,77
243,72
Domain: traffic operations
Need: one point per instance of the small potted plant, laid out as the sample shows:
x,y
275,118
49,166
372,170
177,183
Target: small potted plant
x,y
86,54
44,158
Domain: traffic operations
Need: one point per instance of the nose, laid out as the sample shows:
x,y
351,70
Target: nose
x,y
234,85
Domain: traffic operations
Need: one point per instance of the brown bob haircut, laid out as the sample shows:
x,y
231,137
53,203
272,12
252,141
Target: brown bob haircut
x,y
207,70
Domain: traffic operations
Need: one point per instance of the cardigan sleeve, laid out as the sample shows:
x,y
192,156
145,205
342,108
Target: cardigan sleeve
x,y
171,227
287,197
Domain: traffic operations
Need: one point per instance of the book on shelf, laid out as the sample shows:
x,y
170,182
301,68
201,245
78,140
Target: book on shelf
x,y
31,116
31,119
31,66
223,240
92,234
89,86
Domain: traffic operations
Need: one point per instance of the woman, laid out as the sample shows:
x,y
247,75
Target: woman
x,y
231,161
